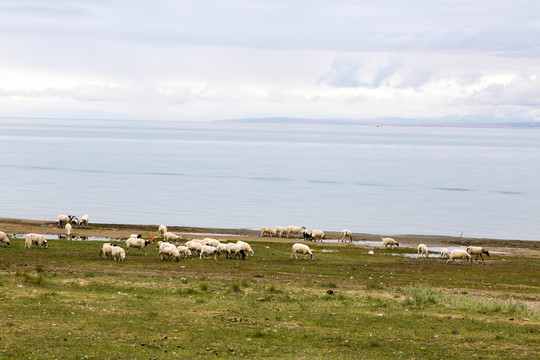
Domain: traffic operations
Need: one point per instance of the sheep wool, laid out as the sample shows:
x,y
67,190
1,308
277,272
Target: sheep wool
x,y
423,250
301,249
4,240
459,254
389,242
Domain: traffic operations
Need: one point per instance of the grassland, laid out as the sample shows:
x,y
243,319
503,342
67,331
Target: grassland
x,y
67,302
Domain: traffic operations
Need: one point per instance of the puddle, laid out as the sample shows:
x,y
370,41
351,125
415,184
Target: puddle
x,y
210,234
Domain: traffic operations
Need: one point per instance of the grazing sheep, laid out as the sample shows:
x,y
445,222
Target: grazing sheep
x,y
245,246
301,249
162,229
137,244
169,236
221,248
422,250
389,241
184,251
318,234
85,220
74,220
118,253
280,230
234,250
4,240
106,250
445,254
295,230
208,250
194,246
346,234
477,250
68,229
200,241
63,220
459,254
35,239
265,230
211,242
308,236
168,251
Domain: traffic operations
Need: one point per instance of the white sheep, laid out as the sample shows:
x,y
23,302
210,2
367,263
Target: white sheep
x,y
211,242
4,240
477,250
221,248
200,241
63,220
389,242
106,250
168,251
169,236
137,236
137,243
194,246
301,249
68,229
245,246
295,230
208,250
184,251
459,254
318,234
268,231
445,254
35,239
118,253
85,220
234,250
280,231
162,229
423,250
346,234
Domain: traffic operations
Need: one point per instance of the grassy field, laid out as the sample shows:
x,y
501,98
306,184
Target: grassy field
x,y
67,302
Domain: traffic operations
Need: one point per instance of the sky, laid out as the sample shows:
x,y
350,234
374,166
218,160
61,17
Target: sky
x,y
317,59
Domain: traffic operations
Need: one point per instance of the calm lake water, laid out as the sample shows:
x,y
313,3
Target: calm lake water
x,y
388,180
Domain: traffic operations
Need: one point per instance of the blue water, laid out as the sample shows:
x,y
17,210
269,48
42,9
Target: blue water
x,y
386,180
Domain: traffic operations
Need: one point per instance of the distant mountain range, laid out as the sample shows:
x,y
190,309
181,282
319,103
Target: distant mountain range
x,y
450,121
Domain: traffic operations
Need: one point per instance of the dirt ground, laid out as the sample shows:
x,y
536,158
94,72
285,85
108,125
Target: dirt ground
x,y
123,231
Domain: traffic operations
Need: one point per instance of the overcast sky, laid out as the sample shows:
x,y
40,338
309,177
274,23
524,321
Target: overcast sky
x,y
324,59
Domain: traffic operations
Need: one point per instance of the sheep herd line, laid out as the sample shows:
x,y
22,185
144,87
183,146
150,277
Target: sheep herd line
x,y
168,250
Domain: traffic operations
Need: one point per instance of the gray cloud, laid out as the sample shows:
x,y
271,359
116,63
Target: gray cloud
x,y
521,91
344,72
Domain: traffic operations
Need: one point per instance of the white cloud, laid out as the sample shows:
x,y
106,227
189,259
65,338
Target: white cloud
x,y
212,59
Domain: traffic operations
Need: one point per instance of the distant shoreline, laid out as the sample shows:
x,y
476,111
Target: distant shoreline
x,y
378,122
21,226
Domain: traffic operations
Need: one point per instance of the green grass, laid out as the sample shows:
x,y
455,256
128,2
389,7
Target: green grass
x,y
268,306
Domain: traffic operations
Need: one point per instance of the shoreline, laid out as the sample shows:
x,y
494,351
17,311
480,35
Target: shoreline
x,y
108,230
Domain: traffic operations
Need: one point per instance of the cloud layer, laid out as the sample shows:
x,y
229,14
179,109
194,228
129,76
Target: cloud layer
x,y
190,60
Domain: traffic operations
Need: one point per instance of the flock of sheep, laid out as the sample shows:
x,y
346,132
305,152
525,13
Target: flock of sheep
x,y
346,234
301,231
212,247
464,255
168,250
